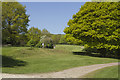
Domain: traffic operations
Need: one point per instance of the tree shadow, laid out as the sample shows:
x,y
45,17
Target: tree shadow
x,y
86,54
92,54
79,53
102,53
10,62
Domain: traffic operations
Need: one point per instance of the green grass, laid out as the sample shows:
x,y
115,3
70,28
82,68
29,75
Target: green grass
x,y
22,60
69,47
107,72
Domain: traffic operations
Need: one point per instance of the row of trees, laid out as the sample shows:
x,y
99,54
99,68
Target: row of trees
x,y
96,26
43,38
15,28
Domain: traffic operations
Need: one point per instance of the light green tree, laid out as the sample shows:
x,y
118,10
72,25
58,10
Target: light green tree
x,y
96,25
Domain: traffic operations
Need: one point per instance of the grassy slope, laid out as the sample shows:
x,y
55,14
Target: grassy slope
x,y
108,72
47,60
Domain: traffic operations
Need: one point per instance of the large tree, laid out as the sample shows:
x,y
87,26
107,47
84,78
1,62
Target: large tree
x,y
96,25
14,22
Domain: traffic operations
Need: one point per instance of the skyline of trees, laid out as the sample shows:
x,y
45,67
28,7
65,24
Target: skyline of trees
x,y
95,25
15,26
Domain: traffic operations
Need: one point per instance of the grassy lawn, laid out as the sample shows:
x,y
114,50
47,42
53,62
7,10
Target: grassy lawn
x,y
24,60
108,72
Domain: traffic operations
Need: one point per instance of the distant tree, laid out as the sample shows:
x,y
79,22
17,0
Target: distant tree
x,y
62,40
56,38
14,22
45,32
35,34
96,25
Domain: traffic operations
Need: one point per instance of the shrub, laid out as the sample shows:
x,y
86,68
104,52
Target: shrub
x,y
49,45
48,42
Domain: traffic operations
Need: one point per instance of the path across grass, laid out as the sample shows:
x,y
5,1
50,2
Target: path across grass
x,y
23,60
69,73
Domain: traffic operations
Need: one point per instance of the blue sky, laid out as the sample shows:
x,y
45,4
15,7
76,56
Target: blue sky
x,y
51,15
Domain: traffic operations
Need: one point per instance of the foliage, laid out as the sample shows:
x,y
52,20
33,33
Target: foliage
x,y
14,22
56,38
35,34
31,43
45,32
39,45
49,45
23,40
47,41
62,40
96,25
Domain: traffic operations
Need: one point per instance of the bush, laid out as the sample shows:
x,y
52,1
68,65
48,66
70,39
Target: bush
x,y
49,45
48,42
39,45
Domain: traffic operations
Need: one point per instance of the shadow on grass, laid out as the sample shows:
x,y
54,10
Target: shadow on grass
x,y
10,62
102,53
93,55
86,54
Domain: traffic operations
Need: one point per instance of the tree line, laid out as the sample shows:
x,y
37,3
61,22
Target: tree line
x,y
38,38
15,28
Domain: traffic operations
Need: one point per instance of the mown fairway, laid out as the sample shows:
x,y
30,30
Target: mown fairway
x,y
108,72
39,60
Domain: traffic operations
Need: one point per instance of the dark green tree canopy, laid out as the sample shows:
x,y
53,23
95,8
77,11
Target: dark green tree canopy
x,y
96,25
14,21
